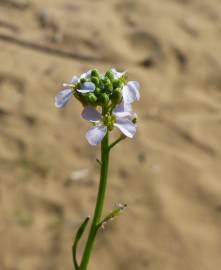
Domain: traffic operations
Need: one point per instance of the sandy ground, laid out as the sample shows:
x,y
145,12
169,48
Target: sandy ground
x,y
169,175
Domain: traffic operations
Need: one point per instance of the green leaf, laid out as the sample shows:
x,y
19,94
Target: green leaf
x,y
115,212
76,240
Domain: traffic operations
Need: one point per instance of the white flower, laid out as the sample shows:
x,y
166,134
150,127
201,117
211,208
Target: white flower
x,y
122,119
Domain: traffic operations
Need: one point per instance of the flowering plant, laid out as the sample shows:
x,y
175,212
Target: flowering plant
x,y
107,100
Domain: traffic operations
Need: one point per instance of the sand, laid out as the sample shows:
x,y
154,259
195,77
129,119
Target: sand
x,y
169,175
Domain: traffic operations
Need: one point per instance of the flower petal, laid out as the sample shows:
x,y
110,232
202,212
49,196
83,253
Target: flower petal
x,y
74,79
123,110
86,75
117,74
87,87
62,98
89,113
131,92
96,134
126,126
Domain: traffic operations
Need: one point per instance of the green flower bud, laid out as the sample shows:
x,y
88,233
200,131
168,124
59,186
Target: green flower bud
x,y
117,95
109,74
97,91
95,73
107,81
92,99
102,85
118,84
103,99
109,88
83,80
95,80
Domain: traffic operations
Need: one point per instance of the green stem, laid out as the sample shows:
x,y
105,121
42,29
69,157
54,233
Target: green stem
x,y
122,137
99,204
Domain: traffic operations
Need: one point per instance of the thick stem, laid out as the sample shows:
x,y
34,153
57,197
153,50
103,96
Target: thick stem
x,y
99,204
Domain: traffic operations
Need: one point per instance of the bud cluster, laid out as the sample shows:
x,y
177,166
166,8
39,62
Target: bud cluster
x,y
108,89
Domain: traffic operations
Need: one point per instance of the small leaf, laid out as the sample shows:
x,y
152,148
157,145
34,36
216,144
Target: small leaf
x,y
76,240
115,212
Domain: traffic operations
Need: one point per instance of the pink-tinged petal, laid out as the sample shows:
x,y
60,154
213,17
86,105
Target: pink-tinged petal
x,y
117,74
131,92
96,134
87,87
126,126
89,113
62,98
123,110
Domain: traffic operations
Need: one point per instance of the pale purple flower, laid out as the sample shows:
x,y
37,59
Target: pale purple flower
x,y
122,120
87,87
62,98
131,90
117,74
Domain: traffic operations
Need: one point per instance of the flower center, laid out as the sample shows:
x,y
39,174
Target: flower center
x,y
109,120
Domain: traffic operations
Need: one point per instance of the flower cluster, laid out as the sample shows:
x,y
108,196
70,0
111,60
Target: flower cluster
x,y
110,93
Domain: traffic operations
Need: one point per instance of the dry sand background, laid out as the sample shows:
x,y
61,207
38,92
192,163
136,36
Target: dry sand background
x,y
169,175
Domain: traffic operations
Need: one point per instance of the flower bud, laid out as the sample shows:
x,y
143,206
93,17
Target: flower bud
x,y
92,99
82,80
118,84
95,73
97,91
116,96
110,75
101,85
103,99
107,81
95,80
109,88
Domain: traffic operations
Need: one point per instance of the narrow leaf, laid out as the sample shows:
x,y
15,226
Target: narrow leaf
x,y
76,240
